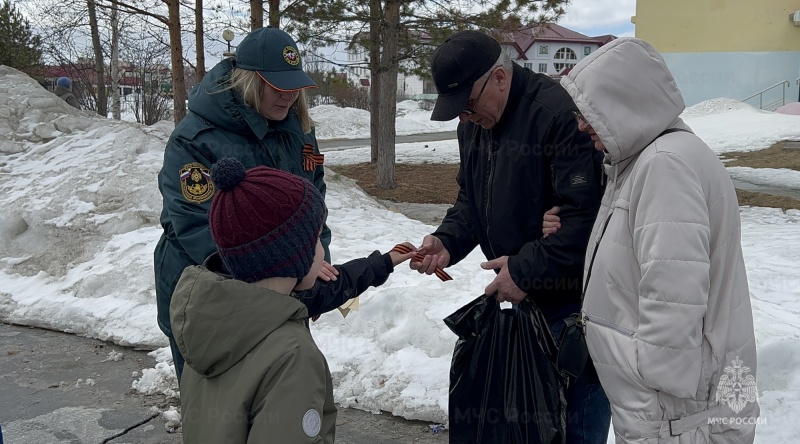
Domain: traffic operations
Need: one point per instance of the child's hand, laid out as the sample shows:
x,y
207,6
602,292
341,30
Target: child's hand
x,y
398,258
327,273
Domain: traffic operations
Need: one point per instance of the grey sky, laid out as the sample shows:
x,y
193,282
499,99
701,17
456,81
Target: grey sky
x,y
590,17
599,17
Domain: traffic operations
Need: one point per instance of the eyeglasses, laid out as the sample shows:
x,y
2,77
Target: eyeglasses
x,y
470,110
579,117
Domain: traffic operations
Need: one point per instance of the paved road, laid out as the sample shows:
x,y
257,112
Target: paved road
x,y
343,144
43,402
793,193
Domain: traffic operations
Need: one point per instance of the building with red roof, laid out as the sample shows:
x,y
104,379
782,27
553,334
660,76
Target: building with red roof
x,y
549,49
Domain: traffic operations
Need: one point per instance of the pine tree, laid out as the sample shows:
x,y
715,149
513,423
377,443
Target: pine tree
x,y
400,36
20,48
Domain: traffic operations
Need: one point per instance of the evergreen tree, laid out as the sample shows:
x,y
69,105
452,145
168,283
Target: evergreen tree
x,y
400,36
20,48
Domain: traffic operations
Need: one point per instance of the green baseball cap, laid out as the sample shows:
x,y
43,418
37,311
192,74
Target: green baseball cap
x,y
274,55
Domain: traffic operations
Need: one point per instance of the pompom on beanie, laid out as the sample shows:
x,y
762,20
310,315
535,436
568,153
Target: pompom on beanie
x,y
265,222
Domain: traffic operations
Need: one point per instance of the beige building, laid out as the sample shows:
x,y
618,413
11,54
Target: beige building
x,y
726,48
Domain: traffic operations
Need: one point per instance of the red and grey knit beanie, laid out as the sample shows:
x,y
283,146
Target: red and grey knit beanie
x,y
265,222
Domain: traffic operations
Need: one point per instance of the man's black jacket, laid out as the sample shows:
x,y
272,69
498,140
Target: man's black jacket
x,y
534,158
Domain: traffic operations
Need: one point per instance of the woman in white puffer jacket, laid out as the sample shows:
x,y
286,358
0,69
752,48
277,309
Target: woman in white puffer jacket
x,y
667,308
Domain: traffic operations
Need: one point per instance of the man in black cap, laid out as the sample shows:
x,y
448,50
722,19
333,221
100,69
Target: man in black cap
x,y
521,153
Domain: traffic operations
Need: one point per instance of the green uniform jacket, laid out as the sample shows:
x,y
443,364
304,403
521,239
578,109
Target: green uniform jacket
x,y
219,124
253,372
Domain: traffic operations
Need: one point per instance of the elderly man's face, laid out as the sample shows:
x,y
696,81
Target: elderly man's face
x,y
487,100
583,125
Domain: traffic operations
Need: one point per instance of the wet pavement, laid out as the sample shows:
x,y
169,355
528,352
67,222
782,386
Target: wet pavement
x,y
58,388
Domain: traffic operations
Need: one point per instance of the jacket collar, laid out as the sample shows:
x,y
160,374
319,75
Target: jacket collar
x,y
519,78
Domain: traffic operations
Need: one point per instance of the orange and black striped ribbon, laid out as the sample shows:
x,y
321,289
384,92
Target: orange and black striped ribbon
x,y
441,274
311,160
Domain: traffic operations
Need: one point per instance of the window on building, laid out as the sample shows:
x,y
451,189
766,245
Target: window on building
x,y
543,50
428,87
528,65
543,68
587,50
564,58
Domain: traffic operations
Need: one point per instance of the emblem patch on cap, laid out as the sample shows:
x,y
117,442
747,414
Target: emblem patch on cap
x,y
196,184
311,423
291,56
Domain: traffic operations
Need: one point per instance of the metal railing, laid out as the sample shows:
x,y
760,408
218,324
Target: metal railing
x,y
798,92
776,103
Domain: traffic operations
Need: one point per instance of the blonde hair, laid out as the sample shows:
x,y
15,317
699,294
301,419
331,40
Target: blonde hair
x,y
250,86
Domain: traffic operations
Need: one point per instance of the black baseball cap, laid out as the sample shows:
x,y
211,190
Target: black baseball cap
x,y
457,63
274,55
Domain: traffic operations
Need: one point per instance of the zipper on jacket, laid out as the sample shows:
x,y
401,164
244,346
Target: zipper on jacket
x,y
602,176
488,192
603,323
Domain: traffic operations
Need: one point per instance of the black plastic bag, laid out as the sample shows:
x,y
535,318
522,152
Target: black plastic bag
x,y
504,386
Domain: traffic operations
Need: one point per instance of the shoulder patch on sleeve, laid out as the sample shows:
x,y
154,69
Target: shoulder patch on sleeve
x,y
312,423
196,184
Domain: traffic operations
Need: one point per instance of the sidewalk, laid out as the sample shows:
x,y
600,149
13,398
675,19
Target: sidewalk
x,y
59,388
343,144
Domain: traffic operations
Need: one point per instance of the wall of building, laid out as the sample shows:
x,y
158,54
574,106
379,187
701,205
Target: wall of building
x,y
725,48
541,55
408,86
686,26
735,75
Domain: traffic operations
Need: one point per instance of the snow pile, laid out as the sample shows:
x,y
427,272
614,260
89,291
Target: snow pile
x,y
714,106
726,126
159,380
30,113
80,216
172,419
333,122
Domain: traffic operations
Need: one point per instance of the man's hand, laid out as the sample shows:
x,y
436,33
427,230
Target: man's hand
x,y
552,222
503,285
436,255
327,273
398,258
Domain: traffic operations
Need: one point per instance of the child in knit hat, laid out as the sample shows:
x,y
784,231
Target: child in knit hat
x,y
253,372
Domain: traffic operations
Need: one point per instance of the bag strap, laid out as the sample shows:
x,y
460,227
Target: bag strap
x,y
608,219
594,255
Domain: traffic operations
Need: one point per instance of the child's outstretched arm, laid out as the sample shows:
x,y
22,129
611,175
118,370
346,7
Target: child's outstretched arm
x,y
354,278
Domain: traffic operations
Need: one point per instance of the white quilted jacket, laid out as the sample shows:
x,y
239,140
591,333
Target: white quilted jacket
x,y
667,306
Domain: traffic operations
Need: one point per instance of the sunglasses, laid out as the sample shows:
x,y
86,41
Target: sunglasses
x,y
472,104
579,117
